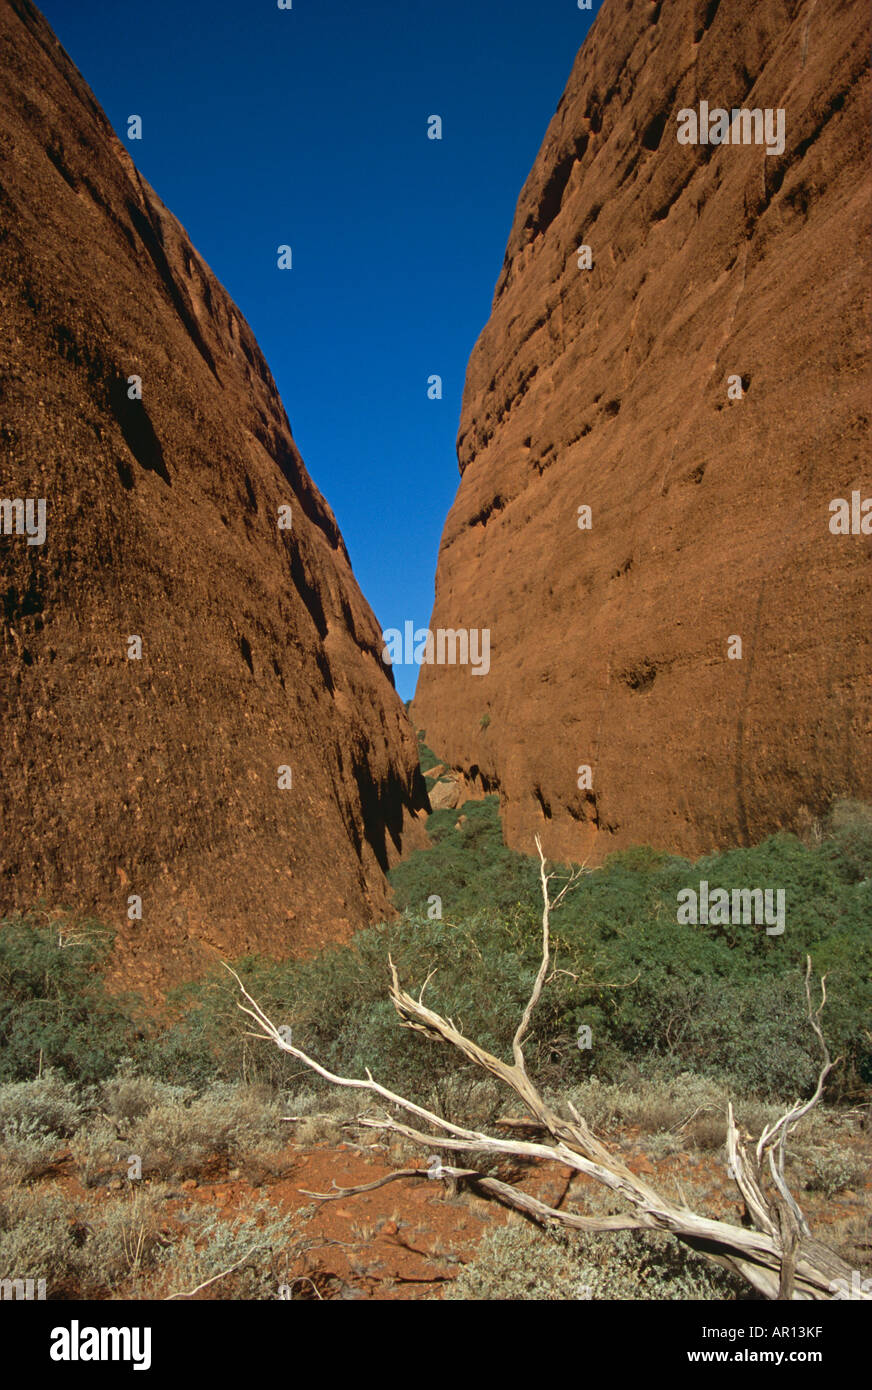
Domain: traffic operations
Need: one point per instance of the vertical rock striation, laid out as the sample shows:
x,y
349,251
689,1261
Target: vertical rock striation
x,y
719,271
159,777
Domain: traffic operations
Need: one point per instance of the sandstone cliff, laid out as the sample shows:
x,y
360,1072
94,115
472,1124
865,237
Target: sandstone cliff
x,y
610,388
159,777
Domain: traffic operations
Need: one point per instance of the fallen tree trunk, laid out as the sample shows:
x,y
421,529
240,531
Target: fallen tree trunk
x,y
776,1254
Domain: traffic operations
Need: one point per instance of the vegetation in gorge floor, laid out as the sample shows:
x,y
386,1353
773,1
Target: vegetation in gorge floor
x,y
680,1019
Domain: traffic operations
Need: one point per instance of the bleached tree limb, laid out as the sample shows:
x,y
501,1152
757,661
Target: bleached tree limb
x,y
508,1195
338,1193
777,1255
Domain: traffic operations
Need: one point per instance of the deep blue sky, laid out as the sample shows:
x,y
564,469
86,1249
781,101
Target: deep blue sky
x,y
309,127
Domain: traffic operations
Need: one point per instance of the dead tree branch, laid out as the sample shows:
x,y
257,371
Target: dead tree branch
x,y
777,1255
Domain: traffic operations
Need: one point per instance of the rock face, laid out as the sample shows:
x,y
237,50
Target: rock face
x,y
158,777
718,271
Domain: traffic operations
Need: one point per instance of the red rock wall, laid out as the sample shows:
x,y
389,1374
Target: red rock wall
x,y
159,777
710,517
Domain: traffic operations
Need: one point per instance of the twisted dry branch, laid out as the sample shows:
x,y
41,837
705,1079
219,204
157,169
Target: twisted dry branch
x,y
777,1254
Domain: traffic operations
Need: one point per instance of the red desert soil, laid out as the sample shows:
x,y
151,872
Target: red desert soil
x,y
411,1238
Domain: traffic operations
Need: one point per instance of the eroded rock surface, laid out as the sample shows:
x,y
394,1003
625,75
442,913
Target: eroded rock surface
x,y
159,777
608,388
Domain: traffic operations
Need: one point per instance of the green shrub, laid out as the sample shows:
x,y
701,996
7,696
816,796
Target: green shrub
x,y
521,1262
254,1253
55,1010
728,1000
833,1170
51,1105
728,1003
38,1238
121,1250
177,1135
849,840
35,1119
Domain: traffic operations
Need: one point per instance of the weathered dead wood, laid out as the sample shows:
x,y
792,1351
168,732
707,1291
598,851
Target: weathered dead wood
x,y
777,1254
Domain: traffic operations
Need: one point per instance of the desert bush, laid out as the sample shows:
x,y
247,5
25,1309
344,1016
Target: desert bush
x,y
55,1011
663,1144
35,1119
659,1101
124,1240
260,1244
26,1151
128,1095
50,1105
723,1002
81,1251
97,1149
849,840
324,1114
38,1238
707,1131
654,1102
518,1261
230,1120
124,1248
834,1169
467,1099
317,1129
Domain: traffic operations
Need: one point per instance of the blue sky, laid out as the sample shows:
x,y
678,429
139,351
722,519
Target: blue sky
x,y
308,127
